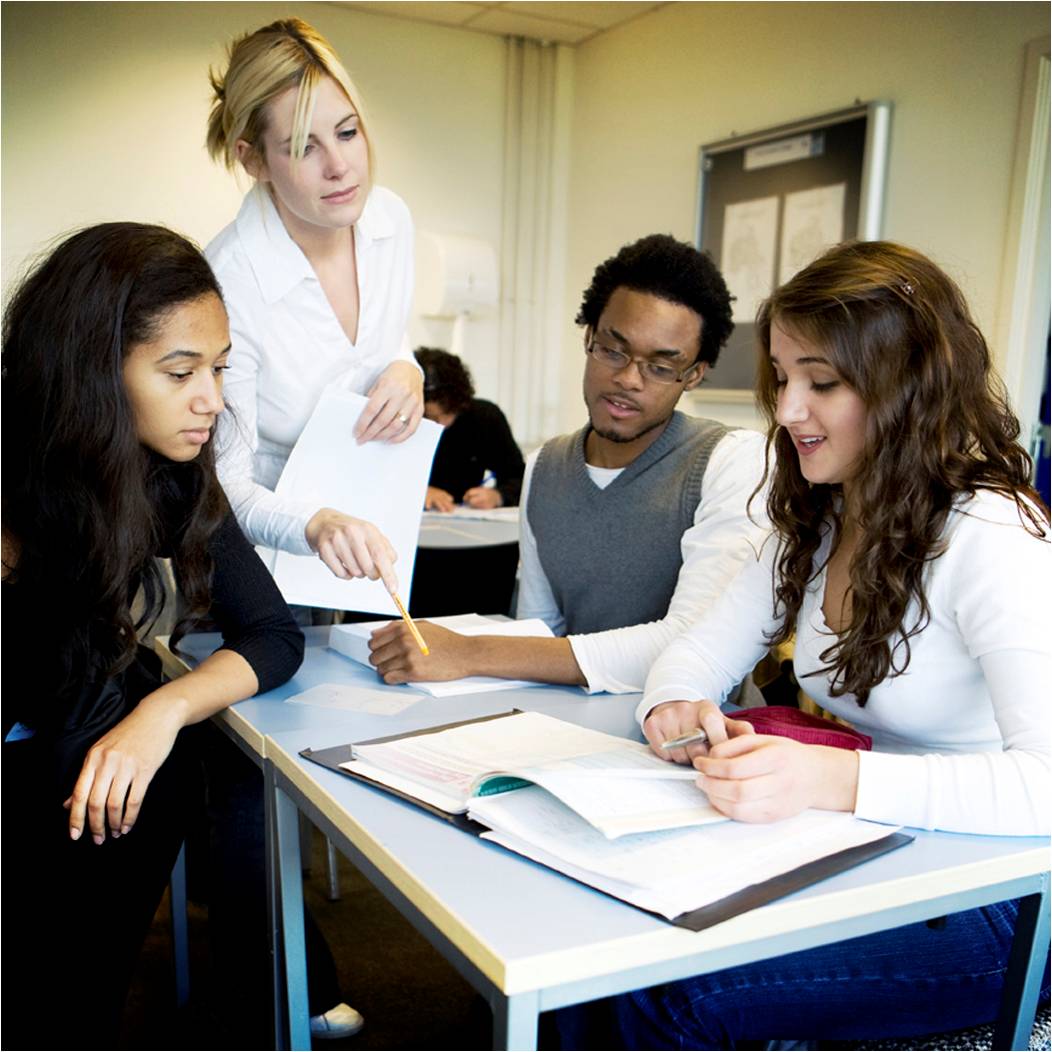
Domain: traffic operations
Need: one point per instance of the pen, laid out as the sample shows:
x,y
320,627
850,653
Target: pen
x,y
685,739
489,480
412,628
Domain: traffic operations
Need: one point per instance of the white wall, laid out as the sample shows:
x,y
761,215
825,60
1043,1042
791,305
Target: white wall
x,y
104,108
105,104
649,93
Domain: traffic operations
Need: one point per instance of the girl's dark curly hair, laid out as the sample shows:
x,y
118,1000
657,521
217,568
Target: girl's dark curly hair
x,y
84,503
447,379
898,331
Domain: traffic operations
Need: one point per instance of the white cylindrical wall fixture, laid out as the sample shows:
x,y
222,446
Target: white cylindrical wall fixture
x,y
454,275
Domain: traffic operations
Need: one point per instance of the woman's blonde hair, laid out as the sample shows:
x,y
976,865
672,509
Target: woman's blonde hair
x,y
263,65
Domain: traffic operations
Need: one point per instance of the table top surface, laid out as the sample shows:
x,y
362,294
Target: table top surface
x,y
538,928
452,531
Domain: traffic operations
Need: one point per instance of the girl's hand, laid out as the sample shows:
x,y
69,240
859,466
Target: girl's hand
x,y
438,500
673,718
395,407
762,778
120,766
352,547
483,497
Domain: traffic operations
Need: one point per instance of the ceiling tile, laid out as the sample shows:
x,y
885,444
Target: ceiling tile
x,y
513,24
446,12
600,15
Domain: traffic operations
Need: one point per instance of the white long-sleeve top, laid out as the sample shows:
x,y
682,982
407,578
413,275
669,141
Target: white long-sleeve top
x,y
714,550
961,739
288,347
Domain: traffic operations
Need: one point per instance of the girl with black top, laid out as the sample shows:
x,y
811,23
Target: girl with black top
x,y
113,353
477,462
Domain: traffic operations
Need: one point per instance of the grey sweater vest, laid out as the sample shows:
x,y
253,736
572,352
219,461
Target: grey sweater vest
x,y
612,556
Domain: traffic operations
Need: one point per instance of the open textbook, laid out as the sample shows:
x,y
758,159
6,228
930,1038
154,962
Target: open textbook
x,y
616,785
605,811
353,641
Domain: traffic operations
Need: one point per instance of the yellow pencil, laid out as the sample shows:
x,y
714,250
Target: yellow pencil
x,y
412,628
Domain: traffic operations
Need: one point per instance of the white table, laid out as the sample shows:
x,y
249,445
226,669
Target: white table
x,y
440,530
530,939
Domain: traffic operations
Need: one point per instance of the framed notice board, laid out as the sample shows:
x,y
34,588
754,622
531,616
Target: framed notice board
x,y
772,201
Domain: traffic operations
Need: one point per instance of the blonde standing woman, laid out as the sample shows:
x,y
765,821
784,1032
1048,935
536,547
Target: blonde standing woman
x,y
317,273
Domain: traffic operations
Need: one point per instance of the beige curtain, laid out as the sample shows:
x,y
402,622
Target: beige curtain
x,y
539,96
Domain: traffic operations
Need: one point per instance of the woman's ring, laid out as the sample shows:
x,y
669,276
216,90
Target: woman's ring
x,y
403,419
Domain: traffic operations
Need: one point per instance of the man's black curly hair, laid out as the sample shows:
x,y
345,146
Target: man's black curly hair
x,y
672,270
447,380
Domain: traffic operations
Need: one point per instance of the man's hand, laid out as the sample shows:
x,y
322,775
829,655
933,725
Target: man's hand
x,y
398,659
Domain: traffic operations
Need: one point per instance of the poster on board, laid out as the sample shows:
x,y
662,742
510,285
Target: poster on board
x,y
771,201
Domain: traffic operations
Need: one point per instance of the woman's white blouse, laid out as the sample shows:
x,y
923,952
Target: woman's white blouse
x,y
288,347
961,739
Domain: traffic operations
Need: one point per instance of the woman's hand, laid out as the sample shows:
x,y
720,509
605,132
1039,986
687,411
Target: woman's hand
x,y
762,778
120,766
438,500
483,497
673,718
352,547
397,658
395,407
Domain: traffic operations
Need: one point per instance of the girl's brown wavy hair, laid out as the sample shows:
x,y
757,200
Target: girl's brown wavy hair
x,y
899,333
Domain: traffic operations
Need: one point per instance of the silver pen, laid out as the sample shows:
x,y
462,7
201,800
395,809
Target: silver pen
x,y
689,738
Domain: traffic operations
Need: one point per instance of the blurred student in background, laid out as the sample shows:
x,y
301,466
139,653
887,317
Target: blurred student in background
x,y
477,462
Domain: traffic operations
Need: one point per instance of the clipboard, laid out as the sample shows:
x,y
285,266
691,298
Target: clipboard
x,y
741,901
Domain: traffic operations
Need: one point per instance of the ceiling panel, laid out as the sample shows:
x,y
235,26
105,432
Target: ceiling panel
x,y
446,13
599,15
559,21
512,23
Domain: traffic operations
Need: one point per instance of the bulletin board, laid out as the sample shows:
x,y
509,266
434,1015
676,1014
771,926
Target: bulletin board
x,y
772,201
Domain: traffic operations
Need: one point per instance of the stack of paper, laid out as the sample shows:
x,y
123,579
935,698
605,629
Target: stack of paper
x,y
672,872
353,641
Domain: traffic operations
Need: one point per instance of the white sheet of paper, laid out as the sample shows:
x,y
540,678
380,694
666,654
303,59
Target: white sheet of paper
x,y
813,220
353,641
750,229
379,482
374,700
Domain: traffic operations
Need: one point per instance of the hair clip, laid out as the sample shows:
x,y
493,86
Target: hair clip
x,y
907,288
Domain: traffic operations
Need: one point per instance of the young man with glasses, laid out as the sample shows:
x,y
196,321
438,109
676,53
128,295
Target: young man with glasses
x,y
633,525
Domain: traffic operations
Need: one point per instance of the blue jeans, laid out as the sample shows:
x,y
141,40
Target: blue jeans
x,y
918,979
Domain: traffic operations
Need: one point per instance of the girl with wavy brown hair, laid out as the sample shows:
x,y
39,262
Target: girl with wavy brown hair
x,y
909,563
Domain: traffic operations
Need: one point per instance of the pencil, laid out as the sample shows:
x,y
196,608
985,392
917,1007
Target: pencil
x,y
412,628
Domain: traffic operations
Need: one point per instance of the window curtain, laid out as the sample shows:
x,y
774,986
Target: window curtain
x,y
539,97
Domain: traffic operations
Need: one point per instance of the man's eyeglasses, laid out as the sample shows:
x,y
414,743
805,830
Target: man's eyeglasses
x,y
657,372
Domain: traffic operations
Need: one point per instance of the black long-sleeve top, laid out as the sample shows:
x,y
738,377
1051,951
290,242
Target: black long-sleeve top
x,y
479,440
56,682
